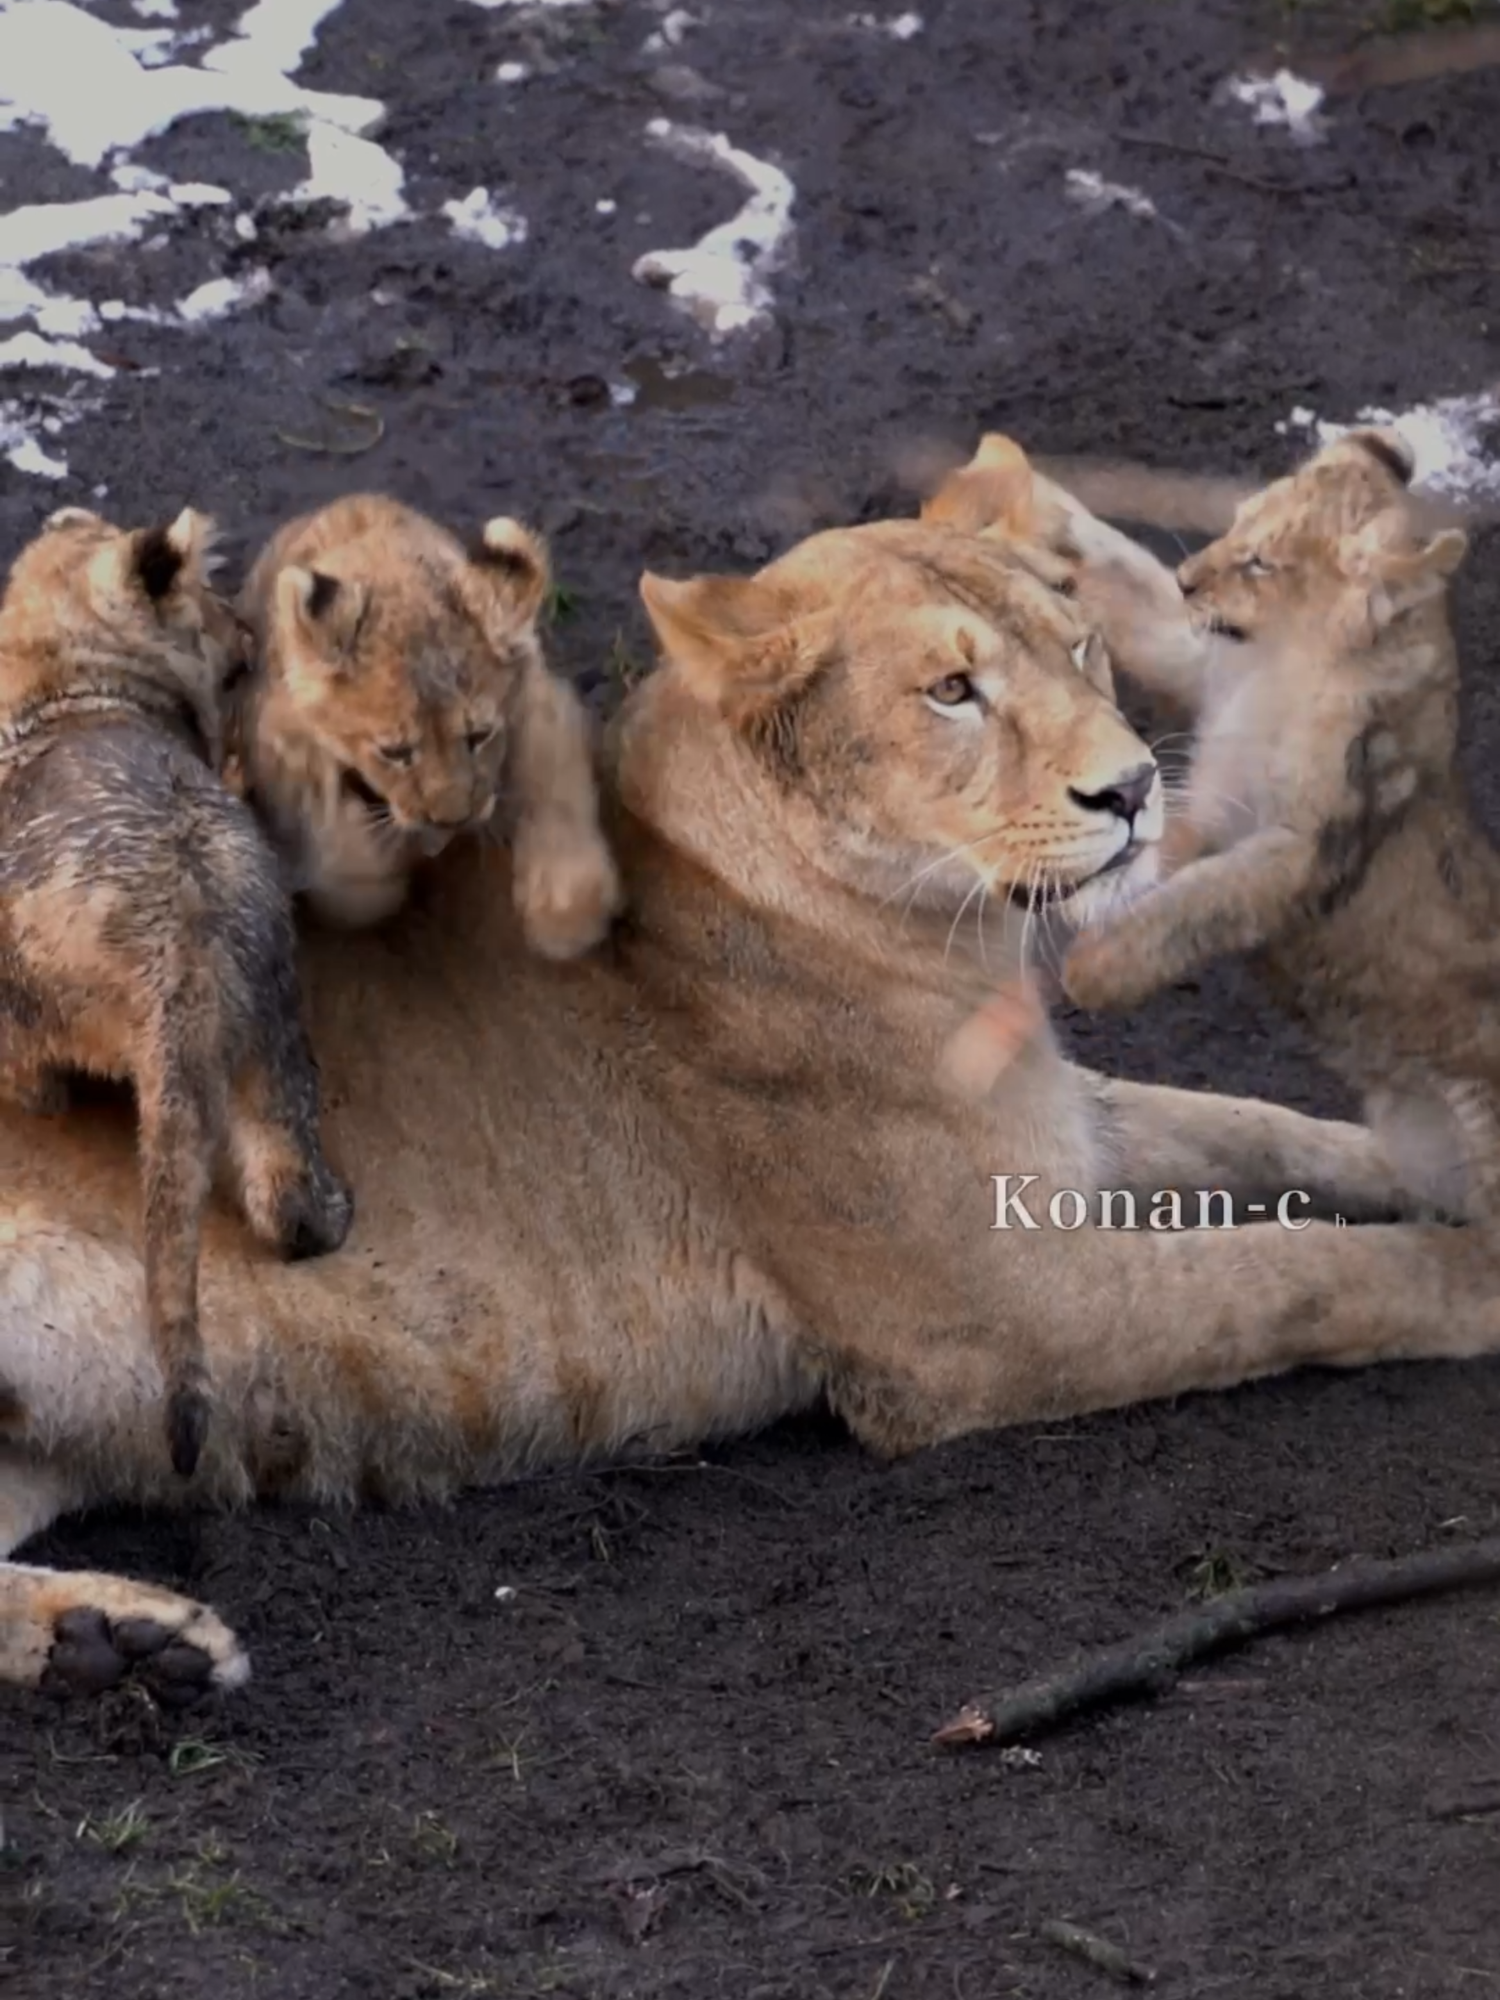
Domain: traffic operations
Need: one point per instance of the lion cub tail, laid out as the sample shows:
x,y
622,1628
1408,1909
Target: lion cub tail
x,y
182,1094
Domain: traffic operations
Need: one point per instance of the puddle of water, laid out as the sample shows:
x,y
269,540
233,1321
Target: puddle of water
x,y
675,385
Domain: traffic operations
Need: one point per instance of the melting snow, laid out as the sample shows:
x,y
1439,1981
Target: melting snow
x,y
478,218
1282,99
1448,438
723,281
1095,194
904,27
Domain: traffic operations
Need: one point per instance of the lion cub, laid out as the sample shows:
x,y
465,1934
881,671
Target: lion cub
x,y
1326,831
401,693
144,933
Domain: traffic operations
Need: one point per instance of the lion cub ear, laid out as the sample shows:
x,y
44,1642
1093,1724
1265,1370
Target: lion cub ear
x,y
1397,572
154,562
324,612
996,489
517,562
734,642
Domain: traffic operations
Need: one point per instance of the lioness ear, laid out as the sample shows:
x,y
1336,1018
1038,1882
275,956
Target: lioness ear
x,y
325,611
1397,573
735,643
517,561
996,489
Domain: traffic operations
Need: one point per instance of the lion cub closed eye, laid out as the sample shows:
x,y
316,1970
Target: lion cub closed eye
x,y
1325,831
145,936
401,696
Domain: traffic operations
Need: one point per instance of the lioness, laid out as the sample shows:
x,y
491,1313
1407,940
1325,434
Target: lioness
x,y
144,933
704,1177
1334,840
401,693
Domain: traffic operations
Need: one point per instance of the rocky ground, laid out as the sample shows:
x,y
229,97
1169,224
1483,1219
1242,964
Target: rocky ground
x,y
666,1733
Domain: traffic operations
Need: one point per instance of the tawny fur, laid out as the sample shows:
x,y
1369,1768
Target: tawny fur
x,y
144,935
1326,831
706,1175
402,695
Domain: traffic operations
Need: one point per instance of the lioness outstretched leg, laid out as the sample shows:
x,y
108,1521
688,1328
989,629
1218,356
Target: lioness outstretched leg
x,y
567,888
1196,1140
76,1632
1099,1319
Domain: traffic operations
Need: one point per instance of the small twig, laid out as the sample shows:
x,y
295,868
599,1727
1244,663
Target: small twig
x,y
1479,1801
1217,164
1097,1951
351,450
1150,1664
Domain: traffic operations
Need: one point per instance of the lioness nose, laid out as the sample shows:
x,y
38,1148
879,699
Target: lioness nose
x,y
1125,797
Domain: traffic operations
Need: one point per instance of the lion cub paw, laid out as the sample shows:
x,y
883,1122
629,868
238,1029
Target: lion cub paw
x,y
1103,970
567,894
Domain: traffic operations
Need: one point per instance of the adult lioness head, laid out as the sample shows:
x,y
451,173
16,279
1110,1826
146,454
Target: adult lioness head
x,y
1118,584
924,711
1327,557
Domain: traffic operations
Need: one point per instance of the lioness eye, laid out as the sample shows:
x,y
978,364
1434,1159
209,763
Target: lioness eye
x,y
1255,566
1066,587
398,753
952,691
477,738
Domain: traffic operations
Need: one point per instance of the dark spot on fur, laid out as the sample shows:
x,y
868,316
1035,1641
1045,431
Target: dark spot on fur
x,y
1449,873
355,787
158,563
1397,460
187,1429
1347,844
775,737
320,599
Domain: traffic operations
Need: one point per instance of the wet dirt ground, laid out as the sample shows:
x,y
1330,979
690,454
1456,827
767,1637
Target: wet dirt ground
x,y
666,1733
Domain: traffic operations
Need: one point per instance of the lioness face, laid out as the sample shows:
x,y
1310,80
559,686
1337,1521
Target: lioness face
x,y
1322,559
943,712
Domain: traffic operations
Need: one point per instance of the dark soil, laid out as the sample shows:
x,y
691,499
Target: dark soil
x,y
666,1733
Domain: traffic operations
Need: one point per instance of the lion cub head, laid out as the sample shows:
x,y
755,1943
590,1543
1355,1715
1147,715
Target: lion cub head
x,y
90,608
926,713
1325,559
391,657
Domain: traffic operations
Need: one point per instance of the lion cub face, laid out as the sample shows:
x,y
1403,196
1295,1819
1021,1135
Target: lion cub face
x,y
1324,559
398,654
942,713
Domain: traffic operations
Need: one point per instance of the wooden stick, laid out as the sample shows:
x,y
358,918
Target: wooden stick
x,y
1096,1951
1150,1663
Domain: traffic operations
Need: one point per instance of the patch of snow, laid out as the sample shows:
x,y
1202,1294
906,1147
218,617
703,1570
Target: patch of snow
x,y
671,33
512,72
723,281
224,295
605,207
1094,195
356,173
155,10
77,76
623,394
903,28
35,350
1450,440
1282,99
478,218
22,430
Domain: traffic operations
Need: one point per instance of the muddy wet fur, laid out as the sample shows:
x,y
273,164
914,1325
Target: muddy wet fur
x,y
663,1734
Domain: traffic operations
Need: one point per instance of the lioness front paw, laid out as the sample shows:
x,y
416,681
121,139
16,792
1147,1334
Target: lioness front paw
x,y
1101,970
567,895
105,1630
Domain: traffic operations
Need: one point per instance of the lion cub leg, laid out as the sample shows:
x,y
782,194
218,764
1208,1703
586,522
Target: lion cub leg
x,y
293,1199
1212,908
1474,1111
567,887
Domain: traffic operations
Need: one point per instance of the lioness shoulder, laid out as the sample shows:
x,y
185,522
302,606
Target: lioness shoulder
x,y
401,694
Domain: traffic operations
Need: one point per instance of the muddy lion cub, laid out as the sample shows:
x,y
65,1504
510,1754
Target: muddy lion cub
x,y
401,695
144,933
1325,830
